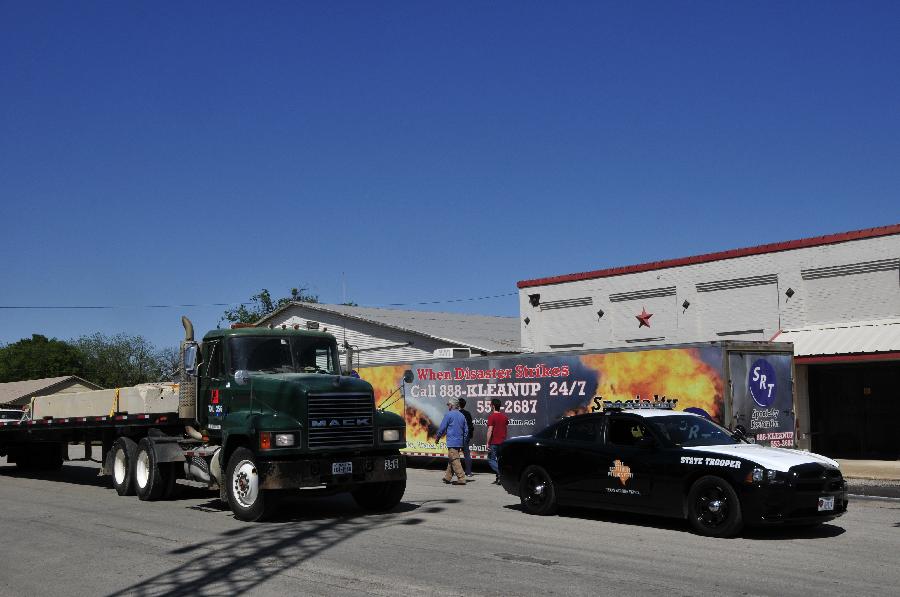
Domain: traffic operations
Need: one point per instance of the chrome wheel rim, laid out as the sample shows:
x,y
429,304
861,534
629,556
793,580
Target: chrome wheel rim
x,y
142,469
713,507
120,467
245,483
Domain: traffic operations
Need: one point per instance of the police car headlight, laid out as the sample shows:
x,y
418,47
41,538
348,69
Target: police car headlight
x,y
390,435
774,477
284,440
758,475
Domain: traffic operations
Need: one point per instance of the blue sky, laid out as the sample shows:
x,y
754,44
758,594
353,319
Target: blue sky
x,y
194,153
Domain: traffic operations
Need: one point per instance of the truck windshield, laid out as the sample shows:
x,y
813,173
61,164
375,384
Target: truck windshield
x,y
691,430
283,354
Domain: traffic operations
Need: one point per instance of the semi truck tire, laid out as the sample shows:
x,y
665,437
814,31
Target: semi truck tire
x,y
121,457
150,478
379,497
245,498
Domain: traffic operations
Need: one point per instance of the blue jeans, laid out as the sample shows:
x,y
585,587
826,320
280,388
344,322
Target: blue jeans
x,y
492,458
467,458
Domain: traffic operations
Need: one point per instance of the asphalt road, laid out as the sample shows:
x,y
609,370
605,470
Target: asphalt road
x,y
70,534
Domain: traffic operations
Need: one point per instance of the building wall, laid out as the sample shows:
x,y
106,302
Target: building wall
x,y
371,343
740,298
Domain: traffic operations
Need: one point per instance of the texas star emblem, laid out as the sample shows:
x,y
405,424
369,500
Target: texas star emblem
x,y
620,471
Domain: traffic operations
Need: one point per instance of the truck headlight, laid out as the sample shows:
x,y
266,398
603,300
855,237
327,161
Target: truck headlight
x,y
390,435
284,440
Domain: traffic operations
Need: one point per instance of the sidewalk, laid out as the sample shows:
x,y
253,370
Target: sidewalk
x,y
880,470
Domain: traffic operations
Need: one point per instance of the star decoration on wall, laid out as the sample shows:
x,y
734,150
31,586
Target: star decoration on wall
x,y
644,318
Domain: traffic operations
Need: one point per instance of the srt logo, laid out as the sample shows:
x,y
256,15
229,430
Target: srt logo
x,y
351,422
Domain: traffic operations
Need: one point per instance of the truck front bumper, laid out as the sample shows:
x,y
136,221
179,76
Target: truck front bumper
x,y
331,471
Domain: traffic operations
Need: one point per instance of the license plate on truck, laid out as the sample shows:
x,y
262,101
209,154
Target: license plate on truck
x,y
826,503
341,468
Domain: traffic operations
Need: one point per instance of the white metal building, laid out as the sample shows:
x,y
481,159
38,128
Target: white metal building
x,y
836,297
392,335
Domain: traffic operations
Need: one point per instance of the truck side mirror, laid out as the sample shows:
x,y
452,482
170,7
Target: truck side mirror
x,y
408,376
190,359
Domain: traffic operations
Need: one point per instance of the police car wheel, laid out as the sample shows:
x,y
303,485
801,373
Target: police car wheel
x,y
537,491
713,507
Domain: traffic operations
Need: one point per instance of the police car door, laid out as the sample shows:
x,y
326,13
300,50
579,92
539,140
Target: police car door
x,y
630,453
576,458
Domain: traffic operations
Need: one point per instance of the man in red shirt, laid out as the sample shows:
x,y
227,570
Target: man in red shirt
x,y
496,435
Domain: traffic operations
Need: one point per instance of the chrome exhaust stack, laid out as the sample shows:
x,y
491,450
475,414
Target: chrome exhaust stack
x,y
187,389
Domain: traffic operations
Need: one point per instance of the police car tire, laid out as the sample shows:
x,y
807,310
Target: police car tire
x,y
713,507
537,491
124,450
379,497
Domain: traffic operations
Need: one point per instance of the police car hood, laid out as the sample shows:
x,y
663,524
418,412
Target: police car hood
x,y
779,459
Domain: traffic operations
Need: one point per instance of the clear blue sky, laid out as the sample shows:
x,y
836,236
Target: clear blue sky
x,y
196,152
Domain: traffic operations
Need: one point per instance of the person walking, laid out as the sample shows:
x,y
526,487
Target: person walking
x,y
496,435
467,452
454,426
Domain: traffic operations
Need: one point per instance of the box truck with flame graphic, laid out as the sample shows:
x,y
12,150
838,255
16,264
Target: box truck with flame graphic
x,y
747,384
259,411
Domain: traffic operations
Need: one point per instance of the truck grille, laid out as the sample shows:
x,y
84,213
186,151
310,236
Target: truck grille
x,y
341,420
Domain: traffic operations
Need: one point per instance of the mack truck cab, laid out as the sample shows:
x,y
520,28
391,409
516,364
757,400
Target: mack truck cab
x,y
275,413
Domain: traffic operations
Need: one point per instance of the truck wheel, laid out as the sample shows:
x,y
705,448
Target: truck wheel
x,y
247,501
713,507
537,491
379,497
121,456
149,476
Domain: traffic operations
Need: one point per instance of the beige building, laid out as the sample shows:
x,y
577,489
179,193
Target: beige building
x,y
19,393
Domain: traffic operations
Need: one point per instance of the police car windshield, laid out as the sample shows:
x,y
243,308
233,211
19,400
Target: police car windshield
x,y
689,430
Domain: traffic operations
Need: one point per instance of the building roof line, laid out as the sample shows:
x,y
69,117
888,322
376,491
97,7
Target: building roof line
x,y
802,243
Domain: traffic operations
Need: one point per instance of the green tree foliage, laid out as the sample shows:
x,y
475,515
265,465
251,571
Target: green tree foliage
x,y
38,357
122,360
262,304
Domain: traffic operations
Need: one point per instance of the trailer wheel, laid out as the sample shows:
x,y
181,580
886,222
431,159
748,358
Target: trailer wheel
x,y
149,476
714,508
245,498
379,497
122,465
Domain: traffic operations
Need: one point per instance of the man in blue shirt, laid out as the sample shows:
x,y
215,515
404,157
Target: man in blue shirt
x,y
457,430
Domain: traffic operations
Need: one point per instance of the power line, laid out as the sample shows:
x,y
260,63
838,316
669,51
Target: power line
x,y
62,307
457,300
36,307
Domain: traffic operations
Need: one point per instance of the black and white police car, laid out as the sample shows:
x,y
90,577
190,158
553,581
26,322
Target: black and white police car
x,y
670,463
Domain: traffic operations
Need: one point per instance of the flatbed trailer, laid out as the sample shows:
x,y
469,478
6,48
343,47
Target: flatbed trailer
x,y
259,411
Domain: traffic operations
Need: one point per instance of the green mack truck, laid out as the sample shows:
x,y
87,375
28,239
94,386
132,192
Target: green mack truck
x,y
258,412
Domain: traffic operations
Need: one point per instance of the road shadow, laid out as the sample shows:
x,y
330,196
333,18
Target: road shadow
x,y
239,560
71,474
756,533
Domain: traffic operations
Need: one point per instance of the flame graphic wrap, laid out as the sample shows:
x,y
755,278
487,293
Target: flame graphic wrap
x,y
537,390
387,382
676,373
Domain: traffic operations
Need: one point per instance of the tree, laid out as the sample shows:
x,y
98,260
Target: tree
x,y
37,358
262,304
122,360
